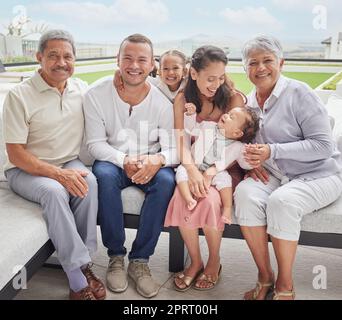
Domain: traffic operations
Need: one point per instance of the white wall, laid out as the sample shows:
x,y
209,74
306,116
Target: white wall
x,y
13,46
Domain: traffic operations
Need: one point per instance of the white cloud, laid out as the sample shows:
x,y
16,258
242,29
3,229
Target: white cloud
x,y
305,4
203,12
120,12
251,17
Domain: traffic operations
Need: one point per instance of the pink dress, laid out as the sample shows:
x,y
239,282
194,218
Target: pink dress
x,y
206,213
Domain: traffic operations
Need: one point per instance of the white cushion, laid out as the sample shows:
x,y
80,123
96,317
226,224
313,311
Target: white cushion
x,y
328,219
334,108
23,232
132,200
23,229
2,146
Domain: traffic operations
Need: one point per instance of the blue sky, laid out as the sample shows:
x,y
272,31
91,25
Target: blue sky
x,y
111,20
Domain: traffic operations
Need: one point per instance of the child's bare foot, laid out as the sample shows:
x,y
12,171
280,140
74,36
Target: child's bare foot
x,y
226,216
191,204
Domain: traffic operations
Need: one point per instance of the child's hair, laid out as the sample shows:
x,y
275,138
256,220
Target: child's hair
x,y
201,58
154,72
174,53
251,126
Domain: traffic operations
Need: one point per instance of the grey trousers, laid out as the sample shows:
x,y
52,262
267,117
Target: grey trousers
x,y
71,221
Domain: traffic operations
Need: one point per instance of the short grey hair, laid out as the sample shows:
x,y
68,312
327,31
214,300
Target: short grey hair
x,y
56,34
264,43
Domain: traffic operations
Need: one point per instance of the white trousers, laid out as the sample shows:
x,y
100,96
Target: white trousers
x,y
281,207
220,181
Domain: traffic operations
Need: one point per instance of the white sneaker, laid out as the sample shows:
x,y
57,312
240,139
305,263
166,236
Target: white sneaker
x,y
116,275
141,274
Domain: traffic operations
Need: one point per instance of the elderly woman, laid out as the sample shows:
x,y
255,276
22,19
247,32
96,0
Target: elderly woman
x,y
300,168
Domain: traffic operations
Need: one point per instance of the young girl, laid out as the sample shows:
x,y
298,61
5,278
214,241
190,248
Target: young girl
x,y
217,146
172,73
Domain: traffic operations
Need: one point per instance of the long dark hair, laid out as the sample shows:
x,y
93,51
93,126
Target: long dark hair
x,y
201,58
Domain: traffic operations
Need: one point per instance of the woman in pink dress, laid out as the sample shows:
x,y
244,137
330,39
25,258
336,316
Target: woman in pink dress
x,y
213,94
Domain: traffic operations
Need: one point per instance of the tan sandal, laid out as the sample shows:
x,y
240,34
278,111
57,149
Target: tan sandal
x,y
277,295
187,280
259,286
208,278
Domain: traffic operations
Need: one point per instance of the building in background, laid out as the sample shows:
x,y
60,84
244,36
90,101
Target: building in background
x,y
333,46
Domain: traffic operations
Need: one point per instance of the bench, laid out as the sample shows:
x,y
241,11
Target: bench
x,y
24,240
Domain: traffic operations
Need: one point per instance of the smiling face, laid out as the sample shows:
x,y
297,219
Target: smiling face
x,y
232,124
135,62
210,78
263,69
172,71
57,62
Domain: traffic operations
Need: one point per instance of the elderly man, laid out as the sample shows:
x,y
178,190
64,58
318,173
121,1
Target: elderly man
x,y
43,130
129,132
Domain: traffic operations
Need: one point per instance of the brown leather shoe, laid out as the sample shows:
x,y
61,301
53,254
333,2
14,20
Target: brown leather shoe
x,y
84,294
96,285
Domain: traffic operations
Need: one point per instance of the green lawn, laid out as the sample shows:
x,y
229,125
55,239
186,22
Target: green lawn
x,y
240,80
333,83
93,76
312,79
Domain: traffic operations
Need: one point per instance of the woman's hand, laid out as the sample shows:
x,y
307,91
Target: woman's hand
x,y
197,183
258,173
209,175
256,154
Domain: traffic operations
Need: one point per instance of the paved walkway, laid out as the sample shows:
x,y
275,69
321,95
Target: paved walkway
x,y
238,274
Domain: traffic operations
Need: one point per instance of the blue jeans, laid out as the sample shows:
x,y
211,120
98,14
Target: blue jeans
x,y
158,192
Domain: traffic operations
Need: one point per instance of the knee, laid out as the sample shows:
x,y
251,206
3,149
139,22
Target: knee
x,y
105,172
249,209
92,188
91,181
280,206
242,194
283,217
